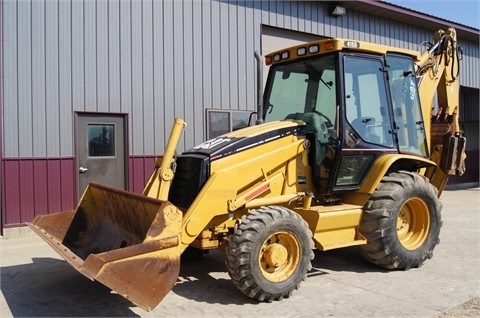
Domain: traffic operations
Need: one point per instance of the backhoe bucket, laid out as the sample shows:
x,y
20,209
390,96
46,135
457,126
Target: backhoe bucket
x,y
128,242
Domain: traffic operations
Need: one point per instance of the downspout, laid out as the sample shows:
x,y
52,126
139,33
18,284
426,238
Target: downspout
x,y
259,59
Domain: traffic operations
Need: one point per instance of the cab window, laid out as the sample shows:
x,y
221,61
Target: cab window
x,y
407,112
366,100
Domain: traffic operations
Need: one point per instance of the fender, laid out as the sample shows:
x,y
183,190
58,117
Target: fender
x,y
379,169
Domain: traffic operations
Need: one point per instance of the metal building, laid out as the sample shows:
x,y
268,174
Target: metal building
x,y
121,71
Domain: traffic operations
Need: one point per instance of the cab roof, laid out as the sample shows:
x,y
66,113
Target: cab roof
x,y
324,46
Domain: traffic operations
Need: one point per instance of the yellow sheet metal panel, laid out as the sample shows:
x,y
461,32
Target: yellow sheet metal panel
x,y
381,166
334,226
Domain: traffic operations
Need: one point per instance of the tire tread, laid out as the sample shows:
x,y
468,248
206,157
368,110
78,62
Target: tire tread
x,y
238,252
378,223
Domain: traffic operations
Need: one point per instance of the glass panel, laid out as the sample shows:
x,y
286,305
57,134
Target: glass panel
x,y
366,100
326,94
353,169
240,120
406,105
301,87
287,95
219,123
101,141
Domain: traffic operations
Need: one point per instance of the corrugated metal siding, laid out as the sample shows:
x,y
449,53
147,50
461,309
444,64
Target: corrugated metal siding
x,y
140,170
154,60
35,186
470,65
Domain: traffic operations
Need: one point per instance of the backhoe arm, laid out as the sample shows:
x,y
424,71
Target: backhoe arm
x,y
437,73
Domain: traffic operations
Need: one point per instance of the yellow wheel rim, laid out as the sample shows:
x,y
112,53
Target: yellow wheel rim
x,y
279,256
413,223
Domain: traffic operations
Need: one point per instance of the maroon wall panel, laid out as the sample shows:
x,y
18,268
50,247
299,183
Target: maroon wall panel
x,y
140,169
68,185
11,192
35,186
54,186
41,191
26,194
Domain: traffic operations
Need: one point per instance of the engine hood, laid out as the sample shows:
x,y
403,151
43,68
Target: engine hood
x,y
247,138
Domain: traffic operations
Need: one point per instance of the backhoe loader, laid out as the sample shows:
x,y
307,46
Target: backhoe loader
x,y
353,146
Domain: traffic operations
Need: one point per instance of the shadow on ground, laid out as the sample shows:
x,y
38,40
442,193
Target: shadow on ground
x,y
206,280
346,259
197,282
50,288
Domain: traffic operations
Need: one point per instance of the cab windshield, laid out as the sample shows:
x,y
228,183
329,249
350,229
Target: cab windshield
x,y
300,87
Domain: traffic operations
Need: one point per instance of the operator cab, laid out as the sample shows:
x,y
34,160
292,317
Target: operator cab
x,y
356,106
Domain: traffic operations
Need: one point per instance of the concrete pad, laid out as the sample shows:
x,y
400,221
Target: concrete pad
x,y
35,281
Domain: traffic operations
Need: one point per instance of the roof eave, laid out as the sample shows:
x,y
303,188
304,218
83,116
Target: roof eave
x,y
420,19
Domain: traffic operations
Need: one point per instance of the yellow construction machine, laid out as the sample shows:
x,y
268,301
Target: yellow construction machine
x,y
354,144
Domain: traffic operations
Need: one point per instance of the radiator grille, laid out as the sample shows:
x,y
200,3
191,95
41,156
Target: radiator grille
x,y
191,174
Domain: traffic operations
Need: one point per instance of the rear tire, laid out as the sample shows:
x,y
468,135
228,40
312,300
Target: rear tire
x,y
269,253
401,221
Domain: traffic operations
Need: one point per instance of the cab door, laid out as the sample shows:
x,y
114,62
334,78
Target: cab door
x,y
407,112
367,126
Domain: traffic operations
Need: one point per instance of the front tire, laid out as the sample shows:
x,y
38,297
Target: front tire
x,y
401,221
269,253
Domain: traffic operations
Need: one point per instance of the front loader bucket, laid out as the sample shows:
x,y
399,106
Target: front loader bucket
x,y
128,242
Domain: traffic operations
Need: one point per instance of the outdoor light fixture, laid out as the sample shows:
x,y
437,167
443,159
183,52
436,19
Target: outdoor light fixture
x,y
338,11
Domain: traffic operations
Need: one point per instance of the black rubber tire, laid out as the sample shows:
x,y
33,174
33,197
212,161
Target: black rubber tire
x,y
385,225
247,248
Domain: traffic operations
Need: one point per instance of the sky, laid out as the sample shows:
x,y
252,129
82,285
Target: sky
x,y
466,12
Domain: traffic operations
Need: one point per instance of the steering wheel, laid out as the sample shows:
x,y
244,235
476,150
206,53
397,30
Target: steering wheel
x,y
328,122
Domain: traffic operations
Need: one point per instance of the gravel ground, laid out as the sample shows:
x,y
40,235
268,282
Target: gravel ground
x,y
469,308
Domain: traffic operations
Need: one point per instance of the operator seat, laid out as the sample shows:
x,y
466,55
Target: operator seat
x,y
317,133
315,126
